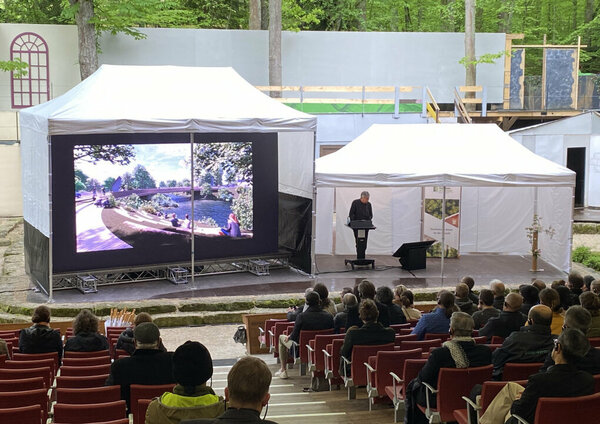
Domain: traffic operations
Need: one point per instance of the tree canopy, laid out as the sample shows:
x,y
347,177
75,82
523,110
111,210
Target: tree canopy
x,y
561,20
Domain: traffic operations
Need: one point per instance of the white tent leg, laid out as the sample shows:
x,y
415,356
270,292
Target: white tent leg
x,y
50,288
571,229
443,232
313,237
193,254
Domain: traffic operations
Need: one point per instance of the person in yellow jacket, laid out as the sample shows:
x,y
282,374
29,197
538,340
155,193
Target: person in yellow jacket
x,y
191,397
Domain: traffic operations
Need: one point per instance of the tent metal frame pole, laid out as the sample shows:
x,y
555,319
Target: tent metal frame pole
x,y
443,232
192,193
50,291
313,236
571,227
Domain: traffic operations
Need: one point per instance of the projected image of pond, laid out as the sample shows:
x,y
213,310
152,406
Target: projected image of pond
x,y
216,209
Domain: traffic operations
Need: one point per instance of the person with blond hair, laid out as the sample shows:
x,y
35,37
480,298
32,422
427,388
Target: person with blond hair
x,y
408,306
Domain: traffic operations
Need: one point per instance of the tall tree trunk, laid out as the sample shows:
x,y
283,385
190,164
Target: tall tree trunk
x,y
505,17
275,45
362,5
255,11
478,18
574,24
448,24
264,14
88,39
590,8
471,75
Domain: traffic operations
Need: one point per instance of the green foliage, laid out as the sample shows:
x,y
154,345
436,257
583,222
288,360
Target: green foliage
x,y
207,220
142,178
206,189
224,194
434,207
112,202
131,201
593,261
119,154
242,207
586,228
16,66
581,253
32,11
484,58
162,200
218,13
93,184
108,183
234,159
299,15
79,185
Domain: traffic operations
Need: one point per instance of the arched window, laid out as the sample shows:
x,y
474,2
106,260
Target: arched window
x,y
33,88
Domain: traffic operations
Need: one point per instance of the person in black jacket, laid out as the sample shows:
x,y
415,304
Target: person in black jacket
x,y
371,333
40,338
85,334
339,320
510,319
575,284
531,344
361,210
247,392
366,290
314,318
580,319
561,380
460,351
463,301
385,295
486,309
499,289
470,284
147,365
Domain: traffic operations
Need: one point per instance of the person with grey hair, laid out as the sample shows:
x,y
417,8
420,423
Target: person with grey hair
x,y
579,318
293,312
361,210
460,351
339,320
498,288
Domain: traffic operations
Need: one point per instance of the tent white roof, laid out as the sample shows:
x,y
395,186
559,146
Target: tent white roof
x,y
437,155
130,99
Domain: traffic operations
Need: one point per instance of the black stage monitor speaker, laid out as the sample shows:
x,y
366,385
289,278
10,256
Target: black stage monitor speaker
x,y
413,255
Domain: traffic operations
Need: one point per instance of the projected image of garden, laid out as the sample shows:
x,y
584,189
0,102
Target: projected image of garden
x,y
127,196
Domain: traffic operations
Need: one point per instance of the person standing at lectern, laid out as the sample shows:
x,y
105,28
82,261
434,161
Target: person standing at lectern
x,y
361,210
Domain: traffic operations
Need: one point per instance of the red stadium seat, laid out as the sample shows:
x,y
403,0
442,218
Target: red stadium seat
x,y
141,391
86,362
305,337
316,359
81,382
142,408
453,384
515,371
331,356
358,372
120,353
88,395
488,392
72,354
22,384
594,341
422,344
480,339
396,392
38,363
67,371
398,327
24,415
89,412
433,336
405,337
493,347
2,359
276,331
26,398
263,338
404,331
581,409
17,374
380,367
121,421
9,334
497,340
35,356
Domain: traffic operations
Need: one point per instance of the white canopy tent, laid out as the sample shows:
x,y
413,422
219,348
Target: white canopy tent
x,y
155,99
503,186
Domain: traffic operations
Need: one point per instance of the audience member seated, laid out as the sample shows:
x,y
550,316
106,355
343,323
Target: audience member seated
x,y
470,284
595,287
408,306
85,334
551,299
460,351
531,344
498,288
510,319
398,290
247,392
314,318
561,380
126,341
438,320
464,303
366,290
147,365
326,304
4,349
486,309
531,297
385,295
40,338
538,284
191,397
587,282
339,320
580,319
575,284
293,312
371,332
565,296
591,302
340,307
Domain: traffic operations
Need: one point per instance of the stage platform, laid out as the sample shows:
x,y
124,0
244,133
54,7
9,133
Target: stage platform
x,y
511,269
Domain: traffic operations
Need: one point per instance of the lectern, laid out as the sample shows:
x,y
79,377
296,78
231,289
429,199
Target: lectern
x,y
362,228
413,255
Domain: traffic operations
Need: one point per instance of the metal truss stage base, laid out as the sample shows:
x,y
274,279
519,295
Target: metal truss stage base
x,y
181,273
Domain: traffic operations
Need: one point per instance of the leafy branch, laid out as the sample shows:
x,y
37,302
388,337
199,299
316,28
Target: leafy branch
x,y
484,58
16,66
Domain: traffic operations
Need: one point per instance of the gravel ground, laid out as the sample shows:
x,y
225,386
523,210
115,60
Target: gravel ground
x,y
590,240
217,338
